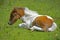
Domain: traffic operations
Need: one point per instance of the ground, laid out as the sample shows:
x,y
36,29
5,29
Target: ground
x,y
43,7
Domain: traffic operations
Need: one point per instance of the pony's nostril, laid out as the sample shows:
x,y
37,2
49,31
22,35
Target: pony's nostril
x,y
9,23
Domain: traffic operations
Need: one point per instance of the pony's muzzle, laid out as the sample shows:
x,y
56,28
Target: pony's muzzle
x,y
10,23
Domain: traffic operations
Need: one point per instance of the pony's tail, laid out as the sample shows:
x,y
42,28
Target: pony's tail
x,y
53,27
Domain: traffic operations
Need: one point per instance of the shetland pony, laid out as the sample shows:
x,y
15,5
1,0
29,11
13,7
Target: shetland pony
x,y
32,20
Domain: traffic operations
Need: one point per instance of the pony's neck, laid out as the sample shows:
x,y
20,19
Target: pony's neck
x,y
28,15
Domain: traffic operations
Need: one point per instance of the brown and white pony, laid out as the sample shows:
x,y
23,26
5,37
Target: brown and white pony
x,y
32,20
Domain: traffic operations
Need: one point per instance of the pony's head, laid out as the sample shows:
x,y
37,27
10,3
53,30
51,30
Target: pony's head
x,y
16,14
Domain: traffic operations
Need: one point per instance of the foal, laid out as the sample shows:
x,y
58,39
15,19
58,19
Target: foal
x,y
32,20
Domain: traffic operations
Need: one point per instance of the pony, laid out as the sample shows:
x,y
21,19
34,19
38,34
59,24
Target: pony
x,y
32,20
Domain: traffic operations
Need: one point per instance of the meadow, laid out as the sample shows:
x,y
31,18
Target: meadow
x,y
14,32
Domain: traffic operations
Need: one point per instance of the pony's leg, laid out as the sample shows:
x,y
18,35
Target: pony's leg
x,y
28,23
23,25
53,27
36,28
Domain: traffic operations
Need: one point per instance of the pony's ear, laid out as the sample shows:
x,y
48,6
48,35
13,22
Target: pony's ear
x,y
15,8
19,8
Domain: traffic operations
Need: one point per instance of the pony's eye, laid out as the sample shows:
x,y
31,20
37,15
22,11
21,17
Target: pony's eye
x,y
14,14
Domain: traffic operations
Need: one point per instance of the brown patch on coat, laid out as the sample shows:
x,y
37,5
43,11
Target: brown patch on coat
x,y
20,11
43,22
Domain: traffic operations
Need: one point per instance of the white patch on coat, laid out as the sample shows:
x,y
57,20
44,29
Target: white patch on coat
x,y
30,16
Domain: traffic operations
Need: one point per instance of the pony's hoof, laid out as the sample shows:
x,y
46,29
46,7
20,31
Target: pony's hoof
x,y
20,25
32,29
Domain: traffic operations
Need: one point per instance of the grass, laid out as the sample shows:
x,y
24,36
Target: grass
x,y
45,7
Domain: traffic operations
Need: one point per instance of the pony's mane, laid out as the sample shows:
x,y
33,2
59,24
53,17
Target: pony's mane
x,y
30,11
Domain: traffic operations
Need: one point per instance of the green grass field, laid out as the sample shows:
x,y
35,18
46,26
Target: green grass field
x,y
43,7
